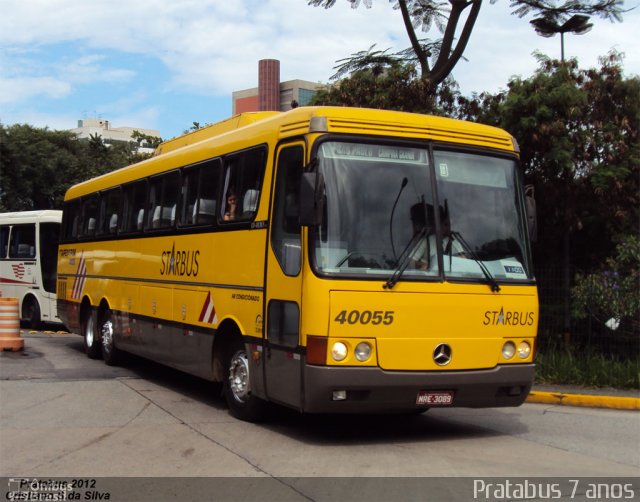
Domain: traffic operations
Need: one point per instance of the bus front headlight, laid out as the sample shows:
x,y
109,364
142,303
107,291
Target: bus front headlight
x,y
508,350
363,351
524,350
339,351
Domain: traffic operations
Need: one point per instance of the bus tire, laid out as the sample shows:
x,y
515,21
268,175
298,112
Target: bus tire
x,y
110,353
90,334
31,312
237,387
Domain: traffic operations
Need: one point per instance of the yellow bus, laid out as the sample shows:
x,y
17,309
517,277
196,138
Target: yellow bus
x,y
324,259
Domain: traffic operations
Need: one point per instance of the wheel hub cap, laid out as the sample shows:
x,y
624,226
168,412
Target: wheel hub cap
x,y
239,376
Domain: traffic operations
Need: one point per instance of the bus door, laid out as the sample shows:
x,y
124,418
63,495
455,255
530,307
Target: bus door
x,y
282,357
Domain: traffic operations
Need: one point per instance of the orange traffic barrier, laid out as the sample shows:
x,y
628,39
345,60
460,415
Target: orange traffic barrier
x,y
10,338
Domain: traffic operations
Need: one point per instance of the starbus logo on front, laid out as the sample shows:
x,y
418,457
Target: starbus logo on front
x,y
508,318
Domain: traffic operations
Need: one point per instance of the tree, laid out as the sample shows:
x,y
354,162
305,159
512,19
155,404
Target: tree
x,y
390,86
37,166
580,147
611,295
437,59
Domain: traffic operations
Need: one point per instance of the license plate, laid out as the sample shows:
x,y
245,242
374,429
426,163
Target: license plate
x,y
434,398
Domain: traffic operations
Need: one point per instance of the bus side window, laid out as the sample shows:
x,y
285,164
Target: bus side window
x,y
163,200
23,241
188,212
134,199
208,188
285,236
109,212
70,220
243,178
90,209
4,241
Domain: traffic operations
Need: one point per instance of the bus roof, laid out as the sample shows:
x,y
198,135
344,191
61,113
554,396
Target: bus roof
x,y
250,129
29,216
212,130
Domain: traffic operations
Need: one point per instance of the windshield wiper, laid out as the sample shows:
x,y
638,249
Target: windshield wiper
x,y
405,180
405,258
493,284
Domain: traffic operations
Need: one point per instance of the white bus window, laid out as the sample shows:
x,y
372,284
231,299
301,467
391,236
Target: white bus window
x,y
4,241
49,235
23,242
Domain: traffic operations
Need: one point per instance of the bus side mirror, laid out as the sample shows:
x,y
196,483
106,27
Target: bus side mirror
x,y
311,199
532,217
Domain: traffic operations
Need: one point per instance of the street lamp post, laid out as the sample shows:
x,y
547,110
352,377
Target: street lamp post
x,y
549,26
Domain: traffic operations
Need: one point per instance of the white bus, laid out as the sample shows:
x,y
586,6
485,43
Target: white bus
x,y
28,263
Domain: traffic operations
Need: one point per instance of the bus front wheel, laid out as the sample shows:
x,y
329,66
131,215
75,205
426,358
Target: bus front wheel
x,y
237,385
90,334
31,313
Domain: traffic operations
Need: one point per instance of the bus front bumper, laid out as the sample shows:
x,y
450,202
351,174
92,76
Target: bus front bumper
x,y
330,389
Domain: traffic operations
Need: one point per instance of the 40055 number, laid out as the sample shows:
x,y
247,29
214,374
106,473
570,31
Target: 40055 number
x,y
375,317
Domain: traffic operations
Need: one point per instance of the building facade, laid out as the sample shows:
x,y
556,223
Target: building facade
x,y
96,126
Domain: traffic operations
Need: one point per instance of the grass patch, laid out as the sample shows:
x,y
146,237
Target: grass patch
x,y
589,369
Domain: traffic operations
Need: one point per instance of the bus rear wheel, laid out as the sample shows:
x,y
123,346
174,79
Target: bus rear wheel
x,y
90,335
237,385
110,353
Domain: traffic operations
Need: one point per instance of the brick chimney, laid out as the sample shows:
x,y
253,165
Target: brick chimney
x,y
268,85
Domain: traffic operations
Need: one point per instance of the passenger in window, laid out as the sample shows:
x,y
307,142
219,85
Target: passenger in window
x,y
231,212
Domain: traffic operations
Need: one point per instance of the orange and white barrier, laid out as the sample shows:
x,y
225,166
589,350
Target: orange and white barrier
x,y
10,338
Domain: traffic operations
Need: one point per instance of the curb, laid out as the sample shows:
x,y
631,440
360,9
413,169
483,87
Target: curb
x,y
587,400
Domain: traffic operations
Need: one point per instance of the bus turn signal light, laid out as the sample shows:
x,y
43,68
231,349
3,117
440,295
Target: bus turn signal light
x,y
317,350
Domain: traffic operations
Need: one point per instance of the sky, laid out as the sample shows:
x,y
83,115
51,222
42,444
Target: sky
x,y
163,65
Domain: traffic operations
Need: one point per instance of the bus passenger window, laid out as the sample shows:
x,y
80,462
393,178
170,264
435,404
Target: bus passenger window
x,y
90,209
189,196
208,188
199,189
134,197
243,179
163,200
70,220
23,241
109,211
4,241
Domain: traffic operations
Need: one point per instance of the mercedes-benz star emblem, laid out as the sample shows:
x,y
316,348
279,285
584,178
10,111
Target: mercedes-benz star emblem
x,y
442,354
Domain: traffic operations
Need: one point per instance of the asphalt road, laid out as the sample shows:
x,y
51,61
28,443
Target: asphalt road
x,y
65,415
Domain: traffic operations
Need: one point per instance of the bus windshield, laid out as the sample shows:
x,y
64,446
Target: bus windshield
x,y
380,218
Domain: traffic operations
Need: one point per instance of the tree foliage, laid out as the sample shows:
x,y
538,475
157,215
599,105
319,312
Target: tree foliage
x,y
38,165
455,20
612,293
391,87
580,146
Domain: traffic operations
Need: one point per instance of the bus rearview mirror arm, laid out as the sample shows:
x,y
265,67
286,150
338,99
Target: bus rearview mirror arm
x,y
532,217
